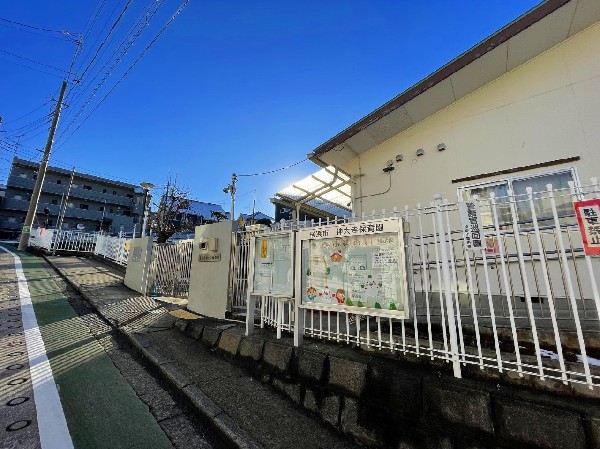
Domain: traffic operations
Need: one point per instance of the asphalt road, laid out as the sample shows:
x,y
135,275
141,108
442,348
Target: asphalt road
x,y
67,380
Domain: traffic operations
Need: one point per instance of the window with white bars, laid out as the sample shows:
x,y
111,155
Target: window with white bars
x,y
560,185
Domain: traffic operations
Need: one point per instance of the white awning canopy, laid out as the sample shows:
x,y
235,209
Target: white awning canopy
x,y
327,190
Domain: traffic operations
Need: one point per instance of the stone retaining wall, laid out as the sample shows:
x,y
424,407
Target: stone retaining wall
x,y
384,402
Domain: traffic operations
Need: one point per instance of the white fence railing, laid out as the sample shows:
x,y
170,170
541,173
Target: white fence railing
x,y
70,241
114,248
170,269
528,303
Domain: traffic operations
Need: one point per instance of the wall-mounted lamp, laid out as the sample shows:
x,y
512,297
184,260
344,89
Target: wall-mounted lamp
x,y
399,158
441,147
420,152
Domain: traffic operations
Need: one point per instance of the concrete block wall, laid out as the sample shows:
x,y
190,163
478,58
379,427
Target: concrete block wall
x,y
384,402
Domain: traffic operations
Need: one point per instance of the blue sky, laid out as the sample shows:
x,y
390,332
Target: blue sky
x,y
230,86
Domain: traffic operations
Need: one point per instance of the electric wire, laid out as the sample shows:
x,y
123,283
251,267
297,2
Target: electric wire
x,y
100,34
14,22
28,114
112,28
93,19
135,62
126,43
31,68
33,60
75,94
43,119
62,38
276,170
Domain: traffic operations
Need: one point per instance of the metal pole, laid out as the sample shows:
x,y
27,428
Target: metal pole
x,y
35,197
62,199
447,288
146,207
103,212
233,182
63,211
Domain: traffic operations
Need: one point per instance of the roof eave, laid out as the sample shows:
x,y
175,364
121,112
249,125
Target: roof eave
x,y
504,34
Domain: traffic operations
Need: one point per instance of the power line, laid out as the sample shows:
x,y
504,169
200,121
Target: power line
x,y
61,38
43,119
31,68
32,60
29,113
112,28
99,34
140,56
133,33
64,32
277,169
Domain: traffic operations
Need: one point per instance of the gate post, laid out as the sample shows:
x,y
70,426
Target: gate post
x,y
447,286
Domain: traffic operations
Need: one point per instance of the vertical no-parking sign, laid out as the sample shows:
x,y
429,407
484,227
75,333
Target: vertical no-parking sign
x,y
588,217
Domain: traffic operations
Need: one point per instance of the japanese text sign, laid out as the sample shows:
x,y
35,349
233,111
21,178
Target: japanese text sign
x,y
588,217
470,218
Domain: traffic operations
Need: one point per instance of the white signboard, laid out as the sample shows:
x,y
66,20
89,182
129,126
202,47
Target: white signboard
x,y
272,265
470,218
355,266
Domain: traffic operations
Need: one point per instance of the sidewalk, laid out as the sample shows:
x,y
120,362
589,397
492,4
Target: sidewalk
x,y
233,399
57,374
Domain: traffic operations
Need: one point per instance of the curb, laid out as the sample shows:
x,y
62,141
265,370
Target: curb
x,y
201,403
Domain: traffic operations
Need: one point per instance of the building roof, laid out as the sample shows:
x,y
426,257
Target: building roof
x,y
327,190
34,165
200,208
257,216
538,30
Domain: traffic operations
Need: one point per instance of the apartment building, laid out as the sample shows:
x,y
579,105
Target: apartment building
x,y
94,203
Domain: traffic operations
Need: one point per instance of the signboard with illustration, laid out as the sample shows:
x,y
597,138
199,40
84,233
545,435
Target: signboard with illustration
x,y
355,266
272,265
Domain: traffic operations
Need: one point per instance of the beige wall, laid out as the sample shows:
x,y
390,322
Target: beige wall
x,y
209,282
138,263
544,110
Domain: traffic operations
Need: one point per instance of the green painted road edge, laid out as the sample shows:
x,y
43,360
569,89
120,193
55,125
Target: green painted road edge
x,y
232,434
101,408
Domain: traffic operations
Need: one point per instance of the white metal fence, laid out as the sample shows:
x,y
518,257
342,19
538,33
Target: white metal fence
x,y
114,248
170,269
69,241
529,303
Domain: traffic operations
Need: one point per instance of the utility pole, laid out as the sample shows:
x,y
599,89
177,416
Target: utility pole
x,y
63,210
231,189
35,197
146,186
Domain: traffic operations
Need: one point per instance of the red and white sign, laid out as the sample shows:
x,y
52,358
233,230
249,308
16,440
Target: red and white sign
x,y
588,217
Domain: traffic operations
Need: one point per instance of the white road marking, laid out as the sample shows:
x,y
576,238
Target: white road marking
x,y
52,424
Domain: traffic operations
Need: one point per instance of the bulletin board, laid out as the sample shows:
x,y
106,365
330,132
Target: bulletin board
x,y
355,266
272,256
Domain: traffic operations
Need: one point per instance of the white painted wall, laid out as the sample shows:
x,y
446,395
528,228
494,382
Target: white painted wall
x,y
209,281
138,264
544,110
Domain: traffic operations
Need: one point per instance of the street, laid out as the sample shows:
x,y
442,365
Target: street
x,y
67,380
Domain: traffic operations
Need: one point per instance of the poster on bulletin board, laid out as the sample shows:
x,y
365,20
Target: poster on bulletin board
x,y
353,266
272,265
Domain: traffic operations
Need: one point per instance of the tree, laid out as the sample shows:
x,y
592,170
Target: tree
x,y
171,214
218,216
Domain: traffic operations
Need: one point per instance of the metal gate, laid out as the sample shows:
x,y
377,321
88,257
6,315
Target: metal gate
x,y
170,269
239,267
